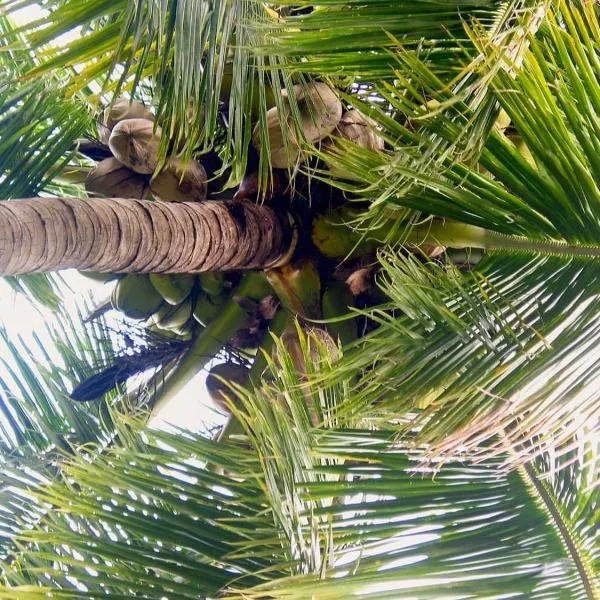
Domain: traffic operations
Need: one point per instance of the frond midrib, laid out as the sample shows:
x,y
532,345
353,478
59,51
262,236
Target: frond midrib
x,y
570,541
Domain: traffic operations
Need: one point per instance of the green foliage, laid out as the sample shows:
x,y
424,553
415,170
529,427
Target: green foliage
x,y
38,128
506,350
402,462
338,33
39,423
306,511
465,358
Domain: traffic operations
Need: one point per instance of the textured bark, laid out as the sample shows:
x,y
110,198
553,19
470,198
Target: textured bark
x,y
119,235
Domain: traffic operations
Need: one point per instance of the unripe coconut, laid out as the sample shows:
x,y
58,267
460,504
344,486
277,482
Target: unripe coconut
x,y
119,111
180,183
320,112
135,144
112,179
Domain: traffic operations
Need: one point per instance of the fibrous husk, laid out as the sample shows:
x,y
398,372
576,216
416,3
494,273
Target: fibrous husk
x,y
134,142
180,183
122,109
283,155
113,179
354,126
320,108
320,111
217,387
360,281
249,187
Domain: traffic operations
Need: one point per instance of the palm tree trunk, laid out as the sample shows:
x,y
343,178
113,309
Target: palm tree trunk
x,y
119,235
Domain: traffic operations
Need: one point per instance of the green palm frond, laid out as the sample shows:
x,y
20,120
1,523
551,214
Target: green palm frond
x,y
37,124
40,288
505,350
304,512
570,497
390,54
38,128
548,191
146,521
356,36
498,358
38,375
39,423
390,530
361,516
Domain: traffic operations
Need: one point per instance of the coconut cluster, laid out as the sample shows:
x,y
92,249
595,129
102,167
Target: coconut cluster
x,y
129,130
322,118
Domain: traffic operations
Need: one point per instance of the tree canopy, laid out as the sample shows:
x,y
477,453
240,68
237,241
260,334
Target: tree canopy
x,y
413,386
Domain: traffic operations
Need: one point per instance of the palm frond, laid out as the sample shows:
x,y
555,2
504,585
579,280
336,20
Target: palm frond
x,y
401,59
305,512
570,496
508,361
359,514
38,127
549,191
38,375
194,58
41,288
478,363
146,521
390,530
39,423
358,35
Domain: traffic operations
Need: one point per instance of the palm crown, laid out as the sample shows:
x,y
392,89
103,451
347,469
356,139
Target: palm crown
x,y
454,441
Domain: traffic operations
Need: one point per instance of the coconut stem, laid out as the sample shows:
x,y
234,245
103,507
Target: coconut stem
x,y
335,238
212,338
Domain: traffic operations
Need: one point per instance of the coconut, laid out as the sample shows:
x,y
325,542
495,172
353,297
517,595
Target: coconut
x,y
320,109
119,111
180,183
218,378
320,112
283,155
113,179
135,144
354,126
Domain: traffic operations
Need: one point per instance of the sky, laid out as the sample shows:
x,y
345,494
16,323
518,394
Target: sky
x,y
191,409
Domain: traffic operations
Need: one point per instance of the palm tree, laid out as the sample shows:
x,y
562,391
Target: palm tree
x,y
137,236
489,114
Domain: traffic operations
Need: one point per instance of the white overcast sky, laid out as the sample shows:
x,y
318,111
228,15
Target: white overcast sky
x,y
191,409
